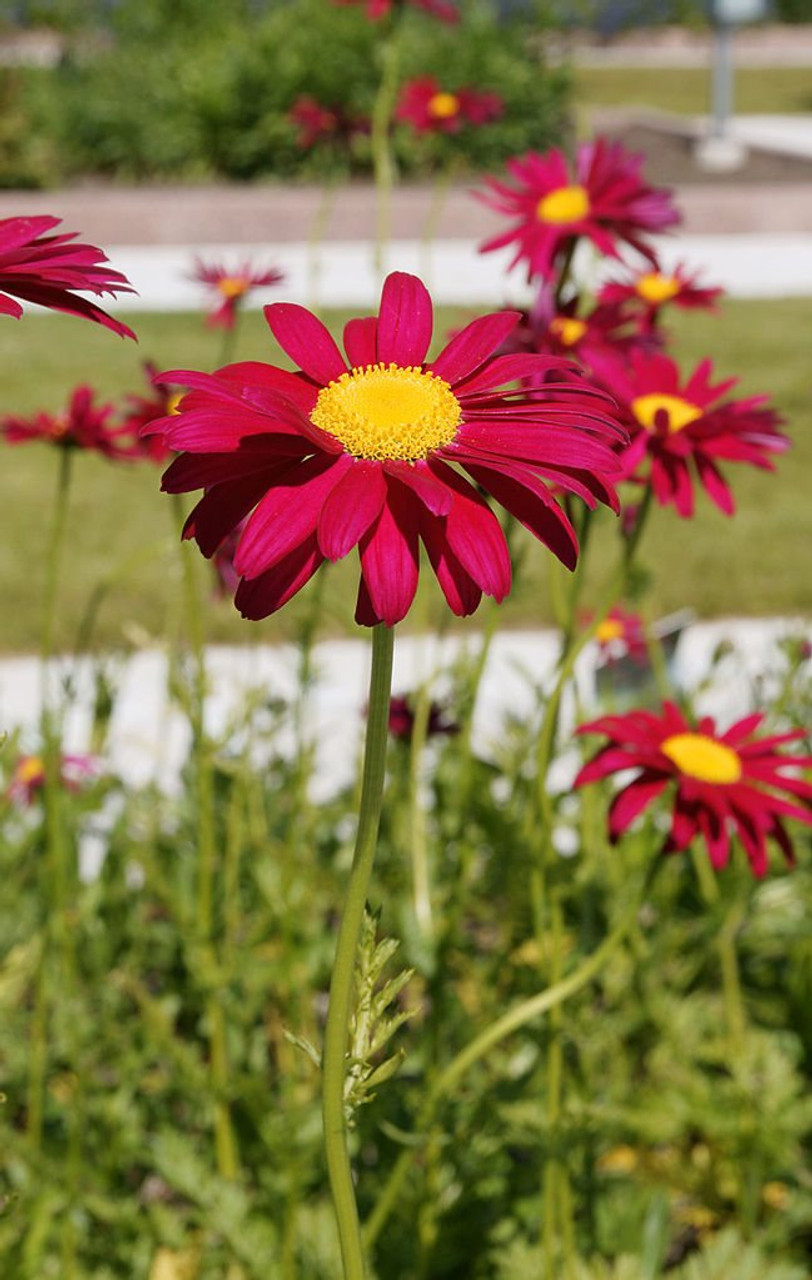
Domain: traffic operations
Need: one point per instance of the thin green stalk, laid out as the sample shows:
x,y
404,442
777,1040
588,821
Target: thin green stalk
x,y
383,163
522,1013
315,239
735,1015
334,1062
421,879
224,1137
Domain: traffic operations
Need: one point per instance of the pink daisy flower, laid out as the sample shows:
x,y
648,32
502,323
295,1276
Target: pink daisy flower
x,y
562,330
365,451
377,9
28,777
429,108
621,634
653,290
723,784
680,430
319,124
604,198
46,270
231,287
83,425
402,718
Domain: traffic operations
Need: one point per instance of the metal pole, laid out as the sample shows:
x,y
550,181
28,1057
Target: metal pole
x,y
722,79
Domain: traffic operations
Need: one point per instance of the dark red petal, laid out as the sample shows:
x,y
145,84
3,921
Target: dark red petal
x,y
469,348
306,340
405,321
361,341
351,508
390,559
288,513
264,595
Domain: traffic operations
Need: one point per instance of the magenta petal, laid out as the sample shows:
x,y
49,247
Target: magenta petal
x,y
264,595
631,801
361,341
405,321
222,508
475,535
529,500
468,349
288,513
461,592
8,307
306,340
350,509
390,558
417,476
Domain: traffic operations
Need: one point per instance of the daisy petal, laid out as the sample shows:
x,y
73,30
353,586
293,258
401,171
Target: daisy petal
x,y
405,321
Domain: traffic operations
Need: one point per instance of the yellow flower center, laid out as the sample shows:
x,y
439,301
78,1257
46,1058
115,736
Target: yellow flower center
x,y
30,769
388,411
173,402
654,287
565,204
608,630
702,757
680,412
232,286
442,106
567,329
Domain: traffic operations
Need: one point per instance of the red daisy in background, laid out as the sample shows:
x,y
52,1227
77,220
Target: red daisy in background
x,y
621,634
551,328
28,777
364,451
653,290
161,398
680,429
83,425
402,718
46,269
429,108
230,287
723,783
318,124
377,9
603,198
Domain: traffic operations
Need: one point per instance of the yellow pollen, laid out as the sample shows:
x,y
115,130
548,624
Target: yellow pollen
x,y
442,106
30,769
388,411
702,757
608,630
654,287
567,329
680,412
565,204
232,286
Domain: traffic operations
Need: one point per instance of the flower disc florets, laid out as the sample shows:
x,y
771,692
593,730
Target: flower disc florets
x,y
388,411
701,757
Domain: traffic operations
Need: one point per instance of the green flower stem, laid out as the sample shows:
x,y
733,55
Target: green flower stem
x,y
421,878
383,163
224,1137
565,272
735,1014
447,1080
315,239
334,1062
55,867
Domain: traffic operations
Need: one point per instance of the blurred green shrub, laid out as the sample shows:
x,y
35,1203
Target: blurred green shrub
x,y
205,92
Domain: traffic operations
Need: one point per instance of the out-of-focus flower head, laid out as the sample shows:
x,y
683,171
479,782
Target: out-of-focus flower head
x,y
377,9
681,431
621,634
429,108
366,450
161,399
604,198
28,777
402,718
558,329
82,425
226,578
46,270
318,124
230,287
651,291
722,782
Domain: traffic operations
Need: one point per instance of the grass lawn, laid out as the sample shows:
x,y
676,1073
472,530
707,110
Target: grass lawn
x,y
757,90
752,564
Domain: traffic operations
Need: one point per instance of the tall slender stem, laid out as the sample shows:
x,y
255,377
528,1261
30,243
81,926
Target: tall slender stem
x,y
381,143
334,1063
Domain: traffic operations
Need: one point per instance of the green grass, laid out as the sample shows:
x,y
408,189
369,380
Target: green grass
x,y
757,90
122,528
